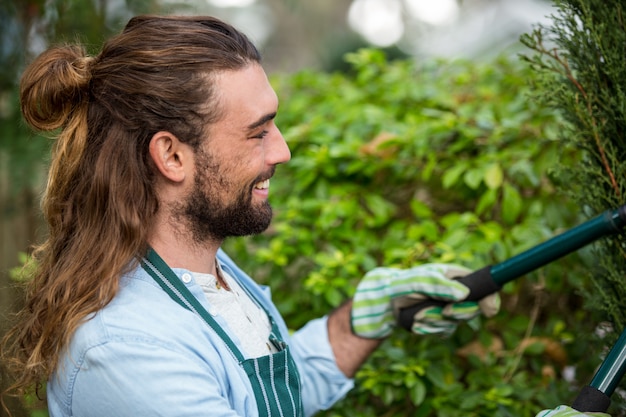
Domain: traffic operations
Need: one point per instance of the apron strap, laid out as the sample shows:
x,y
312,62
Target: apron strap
x,y
169,282
274,378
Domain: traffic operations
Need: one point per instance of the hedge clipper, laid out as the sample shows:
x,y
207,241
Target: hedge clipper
x,y
596,396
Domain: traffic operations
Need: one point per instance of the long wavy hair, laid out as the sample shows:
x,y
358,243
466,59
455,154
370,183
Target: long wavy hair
x,y
156,75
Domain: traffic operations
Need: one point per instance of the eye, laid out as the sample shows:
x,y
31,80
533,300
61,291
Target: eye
x,y
261,135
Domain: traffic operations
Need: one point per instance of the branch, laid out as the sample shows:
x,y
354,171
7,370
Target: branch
x,y
567,72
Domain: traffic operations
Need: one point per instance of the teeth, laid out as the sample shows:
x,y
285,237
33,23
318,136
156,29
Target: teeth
x,y
262,185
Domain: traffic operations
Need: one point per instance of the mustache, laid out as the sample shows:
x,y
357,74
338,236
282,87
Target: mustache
x,y
264,176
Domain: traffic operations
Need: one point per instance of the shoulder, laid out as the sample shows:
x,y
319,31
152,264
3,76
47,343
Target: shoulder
x,y
144,375
140,312
140,335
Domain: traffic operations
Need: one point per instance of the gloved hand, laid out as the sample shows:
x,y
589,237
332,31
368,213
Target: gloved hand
x,y
383,291
565,411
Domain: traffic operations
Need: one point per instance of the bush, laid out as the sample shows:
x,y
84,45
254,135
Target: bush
x,y
580,71
400,163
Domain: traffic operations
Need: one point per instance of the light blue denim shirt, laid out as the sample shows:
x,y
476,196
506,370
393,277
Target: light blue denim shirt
x,y
144,355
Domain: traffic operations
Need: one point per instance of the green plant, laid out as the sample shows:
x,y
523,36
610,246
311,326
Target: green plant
x,y
400,163
26,269
581,73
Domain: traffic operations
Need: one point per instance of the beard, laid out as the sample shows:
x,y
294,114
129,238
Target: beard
x,y
206,215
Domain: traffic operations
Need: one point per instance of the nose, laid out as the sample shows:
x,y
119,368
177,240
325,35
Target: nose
x,y
277,152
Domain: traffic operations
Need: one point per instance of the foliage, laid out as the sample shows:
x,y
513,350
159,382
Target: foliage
x,y
581,72
400,163
26,270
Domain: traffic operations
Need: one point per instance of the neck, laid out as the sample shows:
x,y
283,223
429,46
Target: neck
x,y
179,250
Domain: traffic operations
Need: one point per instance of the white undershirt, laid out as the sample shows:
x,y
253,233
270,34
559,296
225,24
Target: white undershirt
x,y
244,317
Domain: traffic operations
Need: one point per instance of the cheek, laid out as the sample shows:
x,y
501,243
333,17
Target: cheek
x,y
237,166
249,160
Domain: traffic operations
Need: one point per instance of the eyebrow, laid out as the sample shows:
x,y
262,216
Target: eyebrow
x,y
262,121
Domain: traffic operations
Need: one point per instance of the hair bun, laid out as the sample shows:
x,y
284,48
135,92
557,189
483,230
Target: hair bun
x,y
83,65
54,85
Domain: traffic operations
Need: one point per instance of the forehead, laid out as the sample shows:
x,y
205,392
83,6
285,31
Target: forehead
x,y
245,95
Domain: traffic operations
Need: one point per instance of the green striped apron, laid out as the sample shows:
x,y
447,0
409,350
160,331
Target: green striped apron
x,y
274,378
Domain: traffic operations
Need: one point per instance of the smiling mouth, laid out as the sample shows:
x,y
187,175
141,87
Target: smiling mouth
x,y
262,185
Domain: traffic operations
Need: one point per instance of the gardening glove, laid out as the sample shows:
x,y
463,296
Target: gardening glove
x,y
565,411
383,291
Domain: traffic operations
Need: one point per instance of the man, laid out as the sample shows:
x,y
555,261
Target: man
x,y
166,147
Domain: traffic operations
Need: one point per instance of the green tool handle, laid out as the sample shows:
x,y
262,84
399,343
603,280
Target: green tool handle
x,y
595,397
490,279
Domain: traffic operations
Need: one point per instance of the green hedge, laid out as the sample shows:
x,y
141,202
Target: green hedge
x,y
401,163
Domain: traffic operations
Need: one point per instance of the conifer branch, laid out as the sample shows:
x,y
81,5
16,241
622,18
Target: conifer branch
x,y
567,72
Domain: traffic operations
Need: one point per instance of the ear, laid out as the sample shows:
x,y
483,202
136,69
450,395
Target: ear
x,y
170,155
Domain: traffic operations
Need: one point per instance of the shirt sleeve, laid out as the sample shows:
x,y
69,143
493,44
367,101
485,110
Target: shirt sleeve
x,y
323,383
133,378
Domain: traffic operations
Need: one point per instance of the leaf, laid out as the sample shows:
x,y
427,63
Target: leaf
x,y
487,200
473,178
451,176
511,204
494,176
436,375
418,393
333,296
420,209
388,394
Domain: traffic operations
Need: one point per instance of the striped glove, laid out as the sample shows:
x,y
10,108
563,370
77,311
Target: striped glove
x,y
565,411
383,291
